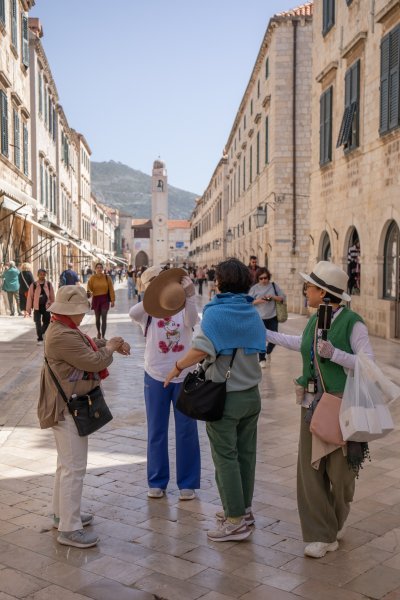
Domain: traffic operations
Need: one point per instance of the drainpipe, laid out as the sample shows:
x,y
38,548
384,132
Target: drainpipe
x,y
294,132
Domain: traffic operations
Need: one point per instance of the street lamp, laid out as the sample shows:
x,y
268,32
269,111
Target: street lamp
x,y
260,216
45,221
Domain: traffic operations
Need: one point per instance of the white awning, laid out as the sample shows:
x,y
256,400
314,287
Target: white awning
x,y
19,209
121,260
82,248
58,238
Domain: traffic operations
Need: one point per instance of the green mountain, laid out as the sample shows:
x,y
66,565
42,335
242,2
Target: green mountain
x,y
118,185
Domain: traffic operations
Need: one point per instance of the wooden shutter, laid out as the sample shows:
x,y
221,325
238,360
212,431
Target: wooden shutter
x,y
328,124
17,151
26,149
2,12
14,24
384,89
25,41
41,183
394,78
4,123
258,153
251,165
266,140
321,129
40,86
54,123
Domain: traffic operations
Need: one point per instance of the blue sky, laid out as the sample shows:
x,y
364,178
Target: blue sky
x,y
148,78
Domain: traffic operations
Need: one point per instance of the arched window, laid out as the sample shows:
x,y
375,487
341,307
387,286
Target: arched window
x,y
326,252
353,263
392,263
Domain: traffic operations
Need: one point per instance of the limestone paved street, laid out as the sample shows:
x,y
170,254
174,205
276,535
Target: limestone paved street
x,y
158,548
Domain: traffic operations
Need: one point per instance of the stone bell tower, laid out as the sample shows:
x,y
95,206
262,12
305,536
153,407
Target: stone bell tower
x,y
159,212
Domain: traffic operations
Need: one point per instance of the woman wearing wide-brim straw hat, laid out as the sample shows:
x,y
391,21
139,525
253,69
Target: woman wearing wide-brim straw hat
x,y
79,366
325,473
167,316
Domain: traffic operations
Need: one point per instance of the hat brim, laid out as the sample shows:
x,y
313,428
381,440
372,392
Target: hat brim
x,y
151,300
309,279
66,308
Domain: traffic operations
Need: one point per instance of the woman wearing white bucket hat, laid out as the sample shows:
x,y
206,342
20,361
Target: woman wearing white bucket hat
x,y
78,365
325,475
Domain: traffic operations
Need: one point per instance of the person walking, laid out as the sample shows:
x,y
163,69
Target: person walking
x,y
170,296
130,278
211,281
100,288
231,323
253,268
200,276
325,473
140,287
40,296
25,279
79,366
266,294
11,286
69,276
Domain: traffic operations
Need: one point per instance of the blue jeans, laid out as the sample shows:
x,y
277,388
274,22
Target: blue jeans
x,y
158,404
131,288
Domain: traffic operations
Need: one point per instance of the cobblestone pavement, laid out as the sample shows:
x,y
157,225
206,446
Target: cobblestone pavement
x,y
157,549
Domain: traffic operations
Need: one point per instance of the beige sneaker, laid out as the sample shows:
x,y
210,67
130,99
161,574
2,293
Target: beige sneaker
x,y
230,532
248,517
319,549
155,493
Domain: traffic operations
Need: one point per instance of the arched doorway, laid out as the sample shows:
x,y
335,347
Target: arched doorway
x,y
353,263
391,271
141,259
325,247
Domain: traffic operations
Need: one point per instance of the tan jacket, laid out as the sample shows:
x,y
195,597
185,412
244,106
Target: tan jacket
x,y
66,350
34,294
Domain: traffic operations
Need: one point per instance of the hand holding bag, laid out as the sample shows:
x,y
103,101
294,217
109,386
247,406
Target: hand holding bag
x,y
325,420
89,411
201,398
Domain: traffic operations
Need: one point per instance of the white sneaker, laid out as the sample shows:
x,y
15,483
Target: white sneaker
x,y
187,494
263,364
155,493
268,359
230,532
319,549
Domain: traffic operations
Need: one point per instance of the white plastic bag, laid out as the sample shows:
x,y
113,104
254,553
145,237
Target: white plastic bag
x,y
364,414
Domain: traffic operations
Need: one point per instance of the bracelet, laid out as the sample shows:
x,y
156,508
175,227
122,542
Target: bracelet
x,y
177,368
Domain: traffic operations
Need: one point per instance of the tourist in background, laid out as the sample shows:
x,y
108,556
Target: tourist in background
x,y
25,279
253,268
40,296
11,286
130,278
100,288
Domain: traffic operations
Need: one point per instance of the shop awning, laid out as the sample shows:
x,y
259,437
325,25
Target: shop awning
x,y
120,260
82,249
15,207
58,238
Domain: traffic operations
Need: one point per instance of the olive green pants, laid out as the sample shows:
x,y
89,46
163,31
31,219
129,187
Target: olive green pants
x,y
233,442
323,495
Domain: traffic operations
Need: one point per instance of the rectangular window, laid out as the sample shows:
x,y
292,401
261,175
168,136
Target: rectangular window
x,y
17,151
238,181
389,89
4,122
244,122
258,153
54,124
46,104
2,12
325,127
266,140
26,149
25,40
14,23
251,107
258,88
41,183
50,122
47,189
349,129
328,15
267,68
40,91
244,173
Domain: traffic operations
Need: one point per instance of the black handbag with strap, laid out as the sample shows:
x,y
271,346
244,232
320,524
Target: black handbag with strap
x,y
90,411
201,398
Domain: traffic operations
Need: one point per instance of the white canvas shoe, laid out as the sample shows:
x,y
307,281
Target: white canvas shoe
x,y
155,493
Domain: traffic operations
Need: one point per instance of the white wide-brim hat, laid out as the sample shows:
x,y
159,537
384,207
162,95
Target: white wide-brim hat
x,y
70,300
329,277
165,296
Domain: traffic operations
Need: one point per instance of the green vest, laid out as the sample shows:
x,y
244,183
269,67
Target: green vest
x,y
339,335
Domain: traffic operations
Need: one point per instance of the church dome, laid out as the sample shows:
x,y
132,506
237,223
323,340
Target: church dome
x,y
159,164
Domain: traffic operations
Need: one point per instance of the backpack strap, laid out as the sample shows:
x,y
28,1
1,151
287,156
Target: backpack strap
x,y
149,320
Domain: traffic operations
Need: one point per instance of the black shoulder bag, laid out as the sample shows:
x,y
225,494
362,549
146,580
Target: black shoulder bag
x,y
90,412
201,398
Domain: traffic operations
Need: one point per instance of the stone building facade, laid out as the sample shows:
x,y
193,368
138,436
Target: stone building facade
x,y
355,177
266,162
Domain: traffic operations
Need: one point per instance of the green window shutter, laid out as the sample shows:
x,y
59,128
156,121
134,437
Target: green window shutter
x,y
50,123
328,15
14,24
41,184
325,127
244,173
4,123
17,151
266,140
258,153
25,41
384,87
54,124
46,104
46,189
2,12
251,165
394,78
267,68
40,89
26,149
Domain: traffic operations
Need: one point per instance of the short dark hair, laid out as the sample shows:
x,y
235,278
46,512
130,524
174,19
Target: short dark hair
x,y
252,257
99,264
233,276
263,270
